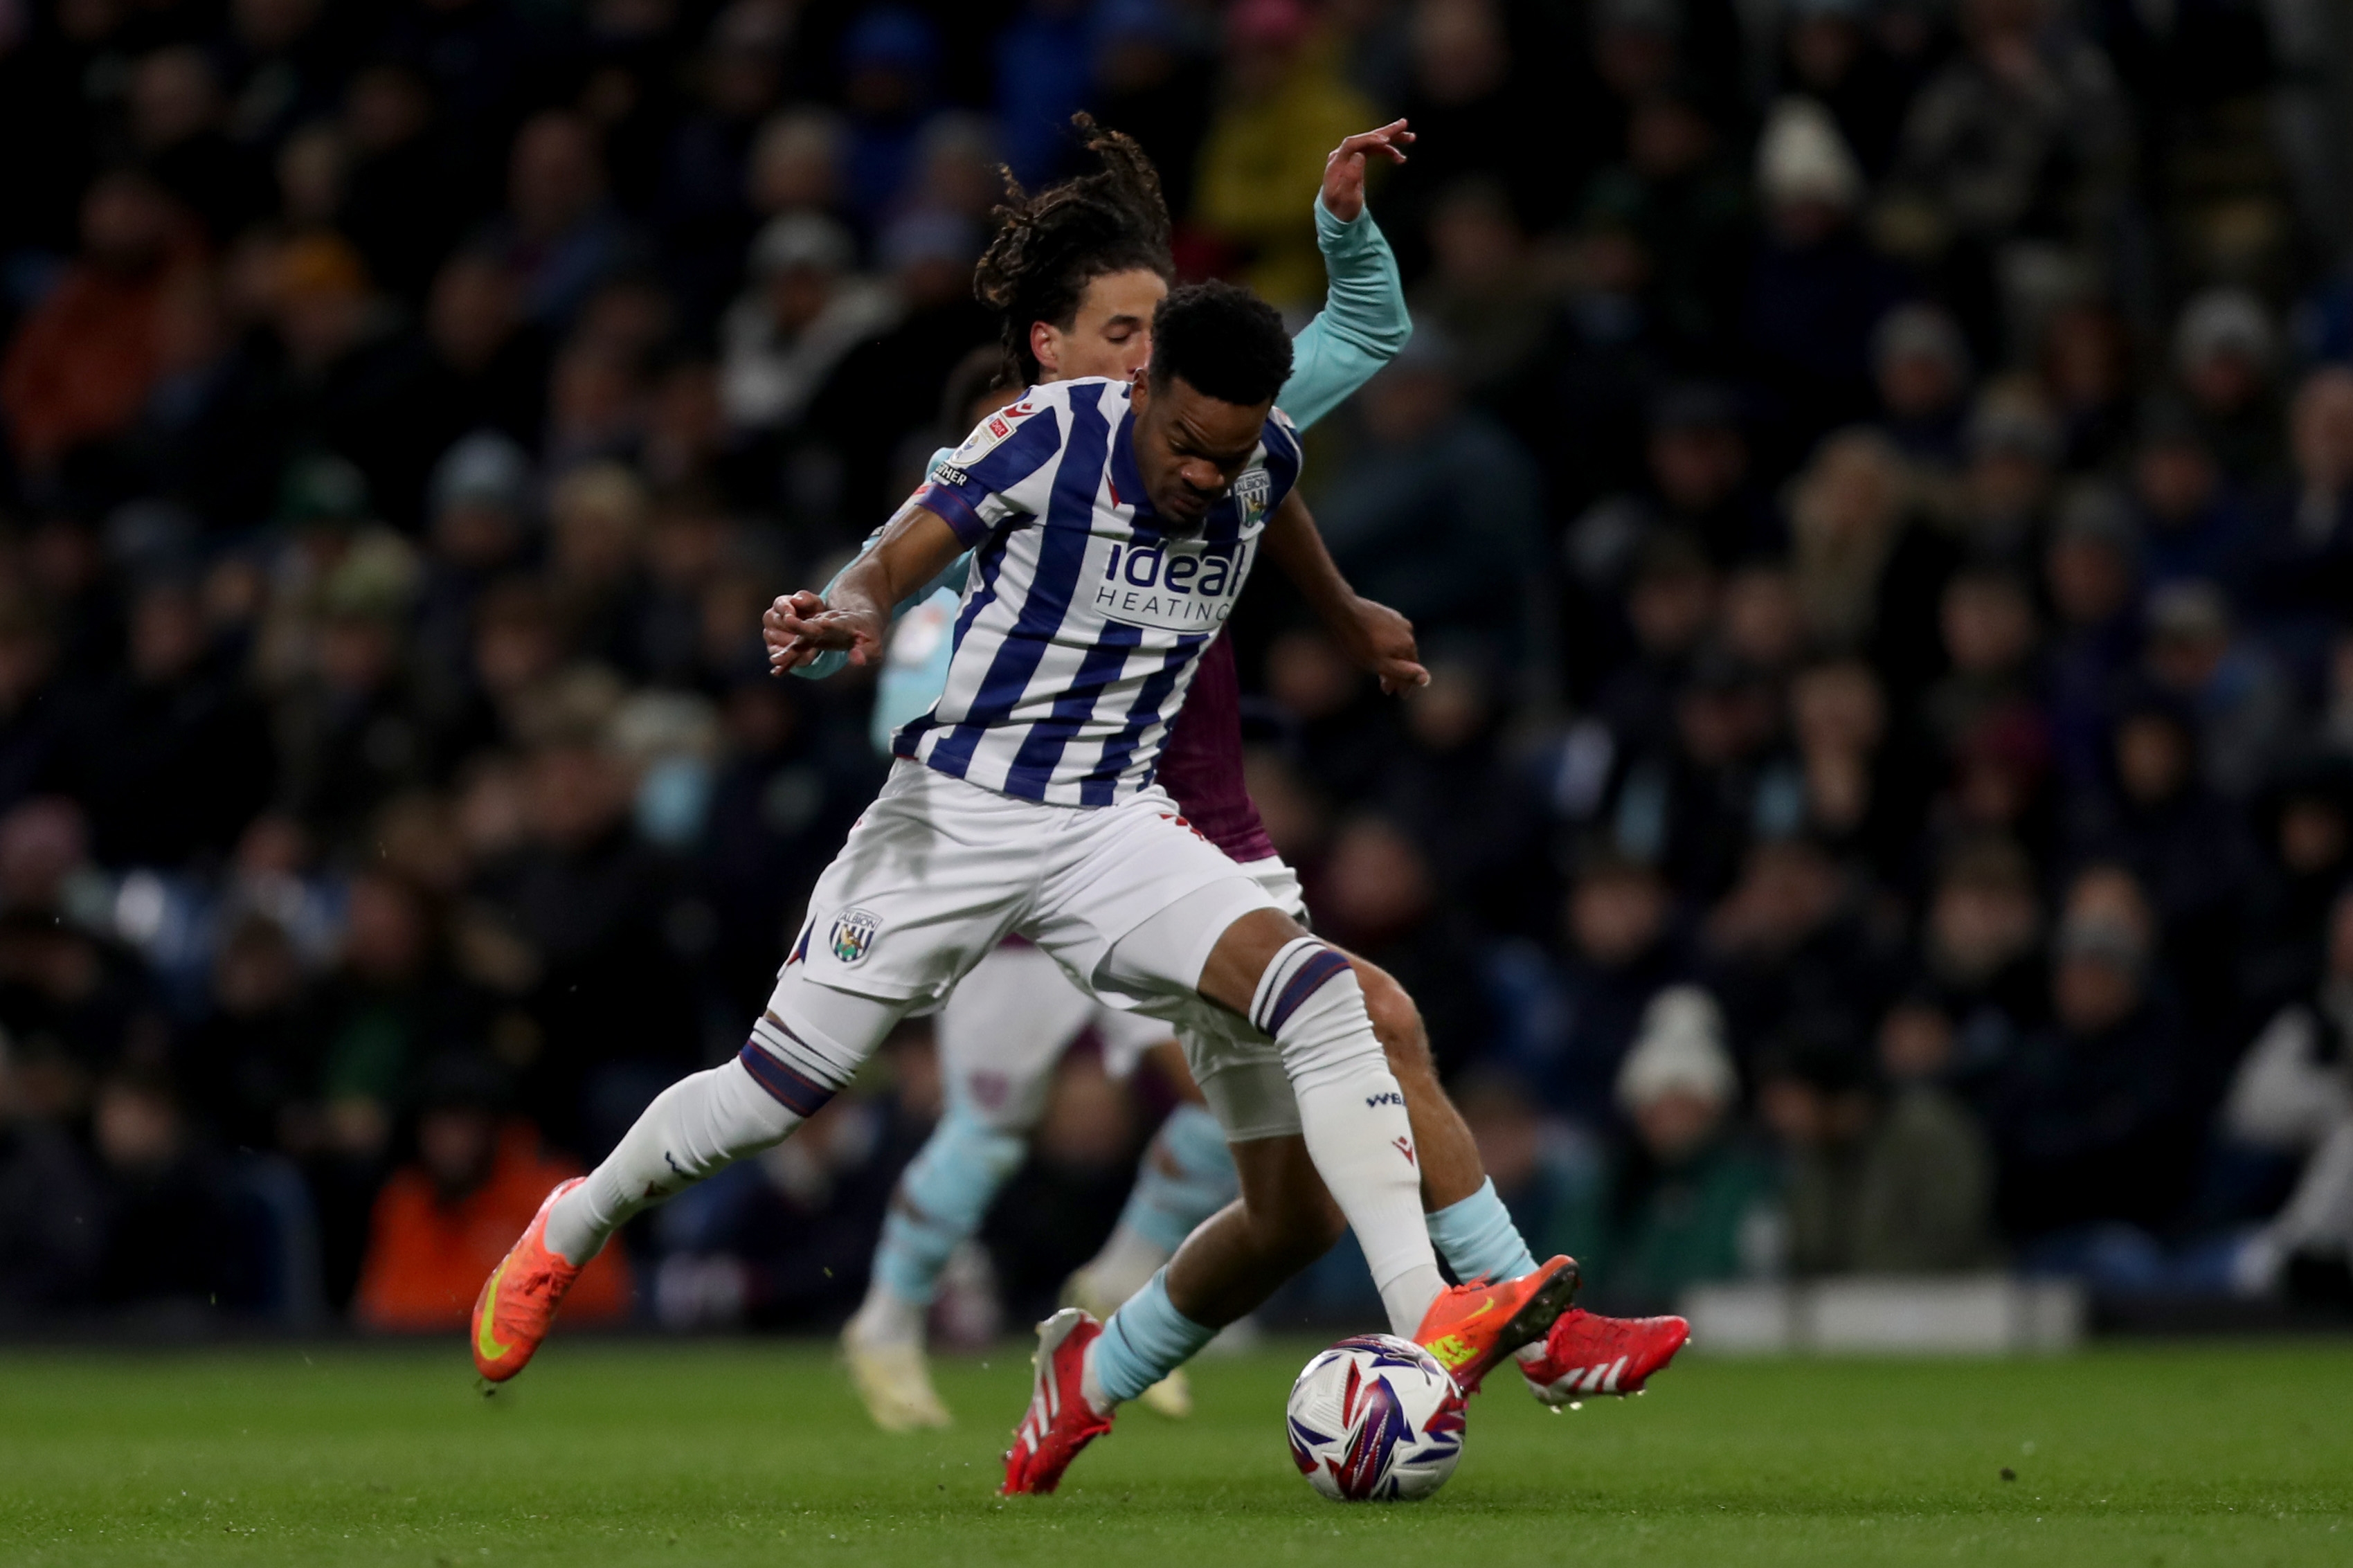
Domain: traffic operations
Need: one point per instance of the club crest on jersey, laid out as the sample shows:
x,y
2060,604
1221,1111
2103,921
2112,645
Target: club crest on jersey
x,y
853,935
1252,493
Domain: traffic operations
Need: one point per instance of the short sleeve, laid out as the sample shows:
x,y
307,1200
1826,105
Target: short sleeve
x,y
1005,467
1285,455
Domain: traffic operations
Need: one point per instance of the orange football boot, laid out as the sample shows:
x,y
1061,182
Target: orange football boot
x,y
1471,1327
517,1306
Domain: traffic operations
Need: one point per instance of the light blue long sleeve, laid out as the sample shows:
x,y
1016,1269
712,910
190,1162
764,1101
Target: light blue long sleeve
x,y
1363,325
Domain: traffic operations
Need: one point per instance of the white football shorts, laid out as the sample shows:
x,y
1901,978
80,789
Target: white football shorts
x,y
939,871
1006,1024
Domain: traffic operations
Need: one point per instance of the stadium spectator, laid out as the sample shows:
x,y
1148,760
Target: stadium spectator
x,y
1685,1201
1442,508
440,1225
1877,1179
795,164
1282,108
2225,354
1381,896
2307,841
2304,544
1920,367
809,311
82,362
1815,289
700,213
559,236
50,1202
2091,1116
2086,374
1154,79
177,1237
1680,197
1486,294
1788,942
1866,782
888,59
1621,950
2292,1098
1983,980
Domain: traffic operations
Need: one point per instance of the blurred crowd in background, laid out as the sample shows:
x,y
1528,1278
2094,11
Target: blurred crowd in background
x,y
1873,480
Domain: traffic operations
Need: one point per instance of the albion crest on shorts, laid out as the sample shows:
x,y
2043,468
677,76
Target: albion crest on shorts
x,y
1084,613
853,935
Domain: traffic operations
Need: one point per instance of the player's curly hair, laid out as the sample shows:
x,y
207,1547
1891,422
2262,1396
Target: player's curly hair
x,y
1222,340
1050,246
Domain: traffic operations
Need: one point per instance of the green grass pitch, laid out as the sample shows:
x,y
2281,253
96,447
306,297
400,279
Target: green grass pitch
x,y
693,1454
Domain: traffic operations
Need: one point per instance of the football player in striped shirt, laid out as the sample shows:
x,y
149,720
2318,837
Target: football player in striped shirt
x,y
1112,525
1073,273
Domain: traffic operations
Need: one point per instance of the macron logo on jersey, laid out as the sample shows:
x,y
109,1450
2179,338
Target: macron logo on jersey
x,y
1176,586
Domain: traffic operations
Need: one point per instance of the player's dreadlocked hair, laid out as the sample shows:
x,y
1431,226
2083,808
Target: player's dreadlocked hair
x,y
1050,246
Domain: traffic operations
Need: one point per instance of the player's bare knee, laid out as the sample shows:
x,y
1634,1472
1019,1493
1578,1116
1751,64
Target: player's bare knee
x,y
1396,1022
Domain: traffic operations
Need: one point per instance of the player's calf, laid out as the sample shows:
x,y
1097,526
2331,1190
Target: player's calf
x,y
1353,1115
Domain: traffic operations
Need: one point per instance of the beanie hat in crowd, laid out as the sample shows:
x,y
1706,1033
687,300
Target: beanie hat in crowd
x,y
1680,1048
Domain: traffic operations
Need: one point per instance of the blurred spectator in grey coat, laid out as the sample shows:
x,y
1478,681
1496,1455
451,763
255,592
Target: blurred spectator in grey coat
x,y
1879,1178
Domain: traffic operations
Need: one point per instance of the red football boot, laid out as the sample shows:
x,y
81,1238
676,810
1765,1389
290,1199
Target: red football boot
x,y
1471,1327
1060,1422
1587,1354
518,1303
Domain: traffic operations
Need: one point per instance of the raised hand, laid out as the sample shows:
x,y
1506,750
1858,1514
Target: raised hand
x,y
1344,170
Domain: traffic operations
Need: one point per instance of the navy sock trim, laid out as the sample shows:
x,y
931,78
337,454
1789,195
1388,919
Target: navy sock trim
x,y
1312,977
797,1093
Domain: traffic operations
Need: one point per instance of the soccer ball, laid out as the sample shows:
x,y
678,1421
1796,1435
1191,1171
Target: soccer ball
x,y
1375,1417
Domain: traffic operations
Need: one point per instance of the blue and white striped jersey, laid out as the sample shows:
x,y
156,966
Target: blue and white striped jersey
x,y
1083,617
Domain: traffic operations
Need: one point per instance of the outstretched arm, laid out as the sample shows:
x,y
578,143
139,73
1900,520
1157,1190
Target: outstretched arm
x,y
854,614
1374,637
832,661
1364,322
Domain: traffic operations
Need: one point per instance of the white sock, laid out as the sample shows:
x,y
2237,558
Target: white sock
x,y
785,1074
1354,1116
695,1127
885,1319
1125,1264
1090,1381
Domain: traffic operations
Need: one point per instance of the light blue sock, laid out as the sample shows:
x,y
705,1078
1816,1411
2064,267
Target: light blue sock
x,y
1478,1239
1187,1175
941,1198
1145,1341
